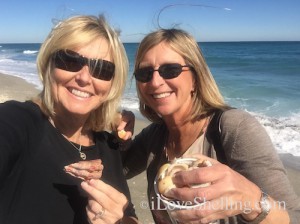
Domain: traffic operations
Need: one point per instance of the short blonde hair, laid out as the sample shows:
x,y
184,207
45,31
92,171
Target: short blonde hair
x,y
207,96
76,32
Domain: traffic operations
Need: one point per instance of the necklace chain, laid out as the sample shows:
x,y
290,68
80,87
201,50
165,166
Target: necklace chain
x,y
82,154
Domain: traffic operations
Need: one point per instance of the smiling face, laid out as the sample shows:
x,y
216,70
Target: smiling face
x,y
168,97
78,93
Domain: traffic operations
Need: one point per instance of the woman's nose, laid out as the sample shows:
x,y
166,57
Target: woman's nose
x,y
84,76
156,79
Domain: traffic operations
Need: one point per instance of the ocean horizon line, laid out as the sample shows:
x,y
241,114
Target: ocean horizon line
x,y
221,41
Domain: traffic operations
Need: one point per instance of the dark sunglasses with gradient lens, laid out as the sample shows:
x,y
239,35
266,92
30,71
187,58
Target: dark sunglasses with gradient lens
x,y
73,62
167,71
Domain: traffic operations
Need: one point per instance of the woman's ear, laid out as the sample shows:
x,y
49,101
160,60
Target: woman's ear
x,y
193,88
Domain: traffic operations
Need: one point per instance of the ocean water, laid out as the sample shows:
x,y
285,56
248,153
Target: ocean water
x,y
262,78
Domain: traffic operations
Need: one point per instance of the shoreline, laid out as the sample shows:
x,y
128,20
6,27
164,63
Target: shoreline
x,y
15,88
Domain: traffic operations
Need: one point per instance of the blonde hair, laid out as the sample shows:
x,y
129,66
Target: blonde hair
x,y
76,32
206,97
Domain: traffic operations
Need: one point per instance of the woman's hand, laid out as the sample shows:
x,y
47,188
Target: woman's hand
x,y
86,170
228,194
125,125
105,203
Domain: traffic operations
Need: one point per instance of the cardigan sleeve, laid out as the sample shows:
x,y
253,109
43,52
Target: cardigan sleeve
x,y
143,149
250,151
135,156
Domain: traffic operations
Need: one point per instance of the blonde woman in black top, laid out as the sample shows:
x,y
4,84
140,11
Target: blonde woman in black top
x,y
83,68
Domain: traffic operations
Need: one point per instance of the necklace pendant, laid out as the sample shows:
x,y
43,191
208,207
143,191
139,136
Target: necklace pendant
x,y
82,155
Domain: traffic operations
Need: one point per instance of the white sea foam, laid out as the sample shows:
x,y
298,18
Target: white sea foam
x,y
284,132
23,69
30,52
130,102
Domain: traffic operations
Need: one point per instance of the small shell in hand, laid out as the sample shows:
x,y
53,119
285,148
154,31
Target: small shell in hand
x,y
166,173
121,134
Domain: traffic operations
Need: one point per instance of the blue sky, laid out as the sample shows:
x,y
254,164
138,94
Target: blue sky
x,y
209,20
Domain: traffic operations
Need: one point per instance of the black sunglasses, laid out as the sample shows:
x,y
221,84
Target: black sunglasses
x,y
73,62
167,71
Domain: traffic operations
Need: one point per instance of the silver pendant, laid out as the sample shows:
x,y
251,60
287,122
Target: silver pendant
x,y
82,155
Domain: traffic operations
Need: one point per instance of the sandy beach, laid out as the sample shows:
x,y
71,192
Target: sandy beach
x,y
14,88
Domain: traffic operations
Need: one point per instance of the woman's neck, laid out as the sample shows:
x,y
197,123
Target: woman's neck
x,y
73,129
182,136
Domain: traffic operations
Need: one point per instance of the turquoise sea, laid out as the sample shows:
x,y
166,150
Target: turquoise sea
x,y
262,78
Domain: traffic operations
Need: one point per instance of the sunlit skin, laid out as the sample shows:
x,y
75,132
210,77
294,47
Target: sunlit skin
x,y
171,98
76,94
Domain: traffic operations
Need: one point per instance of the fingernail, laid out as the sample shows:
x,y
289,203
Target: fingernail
x,y
84,184
91,181
174,177
169,193
67,169
73,164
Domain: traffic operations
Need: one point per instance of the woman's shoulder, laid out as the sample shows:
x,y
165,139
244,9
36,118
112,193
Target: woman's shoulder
x,y
13,105
242,125
235,112
236,117
237,122
153,134
15,110
153,129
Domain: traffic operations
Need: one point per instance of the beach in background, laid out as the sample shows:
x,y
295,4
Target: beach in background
x,y
262,78
14,88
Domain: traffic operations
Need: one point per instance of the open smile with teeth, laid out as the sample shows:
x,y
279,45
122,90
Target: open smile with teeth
x,y
80,93
161,95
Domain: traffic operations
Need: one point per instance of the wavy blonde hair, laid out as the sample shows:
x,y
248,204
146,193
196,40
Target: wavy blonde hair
x,y
76,32
206,97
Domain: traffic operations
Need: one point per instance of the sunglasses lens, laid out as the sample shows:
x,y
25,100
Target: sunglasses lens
x,y
167,71
170,71
103,70
68,61
73,62
144,74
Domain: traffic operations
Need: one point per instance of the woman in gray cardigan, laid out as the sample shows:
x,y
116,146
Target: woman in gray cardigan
x,y
248,183
179,95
